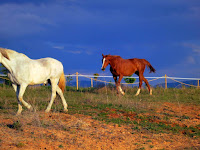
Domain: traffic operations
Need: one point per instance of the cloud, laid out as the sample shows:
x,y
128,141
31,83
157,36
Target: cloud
x,y
70,48
58,47
62,48
190,60
19,20
194,47
72,51
197,51
30,17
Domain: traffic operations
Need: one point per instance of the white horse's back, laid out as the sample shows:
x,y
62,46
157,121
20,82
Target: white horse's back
x,y
34,71
44,69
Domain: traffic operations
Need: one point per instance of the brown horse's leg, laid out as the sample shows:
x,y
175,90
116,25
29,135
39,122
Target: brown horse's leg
x,y
118,85
140,85
140,82
147,83
115,78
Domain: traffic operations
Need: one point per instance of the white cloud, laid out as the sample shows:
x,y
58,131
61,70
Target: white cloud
x,y
73,51
58,47
194,47
190,60
197,51
27,18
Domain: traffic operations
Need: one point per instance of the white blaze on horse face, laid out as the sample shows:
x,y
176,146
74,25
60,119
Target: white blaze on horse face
x,y
103,63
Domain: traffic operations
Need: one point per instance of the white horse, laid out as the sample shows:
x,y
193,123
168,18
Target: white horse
x,y
24,71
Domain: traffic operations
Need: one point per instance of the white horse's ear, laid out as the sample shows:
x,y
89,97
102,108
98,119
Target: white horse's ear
x,y
4,53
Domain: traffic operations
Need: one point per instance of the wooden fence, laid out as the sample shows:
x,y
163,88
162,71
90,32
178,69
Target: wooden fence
x,y
92,78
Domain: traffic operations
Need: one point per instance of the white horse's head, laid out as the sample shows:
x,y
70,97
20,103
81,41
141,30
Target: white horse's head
x,y
3,53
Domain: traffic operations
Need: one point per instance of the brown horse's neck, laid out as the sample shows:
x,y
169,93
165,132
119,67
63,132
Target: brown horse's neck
x,y
113,59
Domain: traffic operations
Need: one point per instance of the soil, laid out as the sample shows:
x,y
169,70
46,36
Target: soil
x,y
51,131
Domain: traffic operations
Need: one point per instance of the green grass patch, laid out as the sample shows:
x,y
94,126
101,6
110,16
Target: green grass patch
x,y
105,105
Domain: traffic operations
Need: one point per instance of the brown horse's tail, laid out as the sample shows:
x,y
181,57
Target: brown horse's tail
x,y
150,66
62,81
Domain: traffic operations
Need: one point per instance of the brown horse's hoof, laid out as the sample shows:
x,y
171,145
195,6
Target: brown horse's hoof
x,y
138,92
150,92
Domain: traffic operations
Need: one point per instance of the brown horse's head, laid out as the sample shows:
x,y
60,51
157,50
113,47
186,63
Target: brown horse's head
x,y
105,62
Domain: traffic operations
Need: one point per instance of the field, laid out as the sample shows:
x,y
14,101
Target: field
x,y
101,119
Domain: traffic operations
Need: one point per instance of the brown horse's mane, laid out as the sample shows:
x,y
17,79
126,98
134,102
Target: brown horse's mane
x,y
113,56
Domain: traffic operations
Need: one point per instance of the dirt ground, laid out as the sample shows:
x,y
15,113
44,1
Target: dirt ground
x,y
63,131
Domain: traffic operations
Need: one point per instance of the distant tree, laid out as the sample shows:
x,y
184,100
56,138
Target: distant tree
x,y
69,79
129,80
4,71
110,84
96,76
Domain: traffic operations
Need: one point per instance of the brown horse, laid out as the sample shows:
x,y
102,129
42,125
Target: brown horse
x,y
126,67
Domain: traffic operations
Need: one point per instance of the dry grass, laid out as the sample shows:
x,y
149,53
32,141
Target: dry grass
x,y
169,119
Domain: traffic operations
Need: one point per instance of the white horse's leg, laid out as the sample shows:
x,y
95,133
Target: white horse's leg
x,y
19,103
59,91
14,87
20,92
53,94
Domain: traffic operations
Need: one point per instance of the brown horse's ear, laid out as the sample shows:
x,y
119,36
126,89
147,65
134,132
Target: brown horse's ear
x,y
4,53
103,55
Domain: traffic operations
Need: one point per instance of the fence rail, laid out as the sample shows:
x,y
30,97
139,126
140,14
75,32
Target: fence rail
x,y
93,77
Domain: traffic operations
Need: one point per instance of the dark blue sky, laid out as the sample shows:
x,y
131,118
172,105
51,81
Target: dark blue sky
x,y
77,32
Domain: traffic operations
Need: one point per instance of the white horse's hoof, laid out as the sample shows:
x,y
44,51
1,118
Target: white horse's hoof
x,y
65,110
30,108
47,110
18,114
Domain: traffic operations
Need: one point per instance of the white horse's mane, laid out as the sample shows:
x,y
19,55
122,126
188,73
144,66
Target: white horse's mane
x,y
11,53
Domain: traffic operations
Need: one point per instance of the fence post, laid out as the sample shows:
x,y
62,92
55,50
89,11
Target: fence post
x,y
77,80
91,82
197,83
165,81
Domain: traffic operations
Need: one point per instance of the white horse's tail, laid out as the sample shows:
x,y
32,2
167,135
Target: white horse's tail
x,y
62,81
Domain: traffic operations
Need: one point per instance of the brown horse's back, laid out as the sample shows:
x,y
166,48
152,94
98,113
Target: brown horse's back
x,y
125,67
141,63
